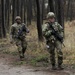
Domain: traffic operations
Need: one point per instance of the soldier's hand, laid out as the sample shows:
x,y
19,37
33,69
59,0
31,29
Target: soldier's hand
x,y
11,42
27,31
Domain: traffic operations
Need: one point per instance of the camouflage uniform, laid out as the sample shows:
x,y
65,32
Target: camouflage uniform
x,y
53,43
21,42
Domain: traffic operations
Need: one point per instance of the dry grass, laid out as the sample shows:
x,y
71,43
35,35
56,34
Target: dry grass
x,y
69,50
34,46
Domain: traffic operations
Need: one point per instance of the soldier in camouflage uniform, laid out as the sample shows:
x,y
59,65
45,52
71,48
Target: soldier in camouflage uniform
x,y
52,42
19,40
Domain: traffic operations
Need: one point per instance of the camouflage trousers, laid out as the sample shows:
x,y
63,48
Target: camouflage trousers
x,y
55,45
22,45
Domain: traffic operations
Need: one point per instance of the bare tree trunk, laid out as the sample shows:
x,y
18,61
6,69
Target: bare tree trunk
x,y
29,12
21,12
13,11
39,28
68,9
3,19
60,12
8,15
34,7
51,5
1,34
18,7
71,11
24,11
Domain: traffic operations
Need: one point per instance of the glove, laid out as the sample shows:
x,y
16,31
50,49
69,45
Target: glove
x,y
53,32
11,42
48,34
27,30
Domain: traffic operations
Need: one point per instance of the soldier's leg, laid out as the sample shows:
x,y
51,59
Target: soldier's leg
x,y
51,50
59,53
24,46
19,45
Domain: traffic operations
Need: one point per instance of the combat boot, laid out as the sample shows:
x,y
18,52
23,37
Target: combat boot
x,y
60,67
54,67
21,58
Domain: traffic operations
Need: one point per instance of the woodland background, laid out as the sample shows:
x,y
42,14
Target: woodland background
x,y
33,13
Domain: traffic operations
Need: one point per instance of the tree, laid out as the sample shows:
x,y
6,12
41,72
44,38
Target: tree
x,y
60,14
7,15
29,12
13,10
21,10
3,19
51,5
24,11
39,28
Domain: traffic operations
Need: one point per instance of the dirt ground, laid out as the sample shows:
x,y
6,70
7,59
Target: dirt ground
x,y
11,65
6,68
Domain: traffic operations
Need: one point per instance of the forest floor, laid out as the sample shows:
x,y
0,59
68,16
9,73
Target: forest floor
x,y
37,58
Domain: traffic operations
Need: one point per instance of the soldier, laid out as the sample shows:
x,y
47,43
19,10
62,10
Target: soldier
x,y
18,34
53,42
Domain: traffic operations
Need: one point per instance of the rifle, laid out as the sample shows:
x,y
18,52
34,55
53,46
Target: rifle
x,y
23,28
56,34
20,31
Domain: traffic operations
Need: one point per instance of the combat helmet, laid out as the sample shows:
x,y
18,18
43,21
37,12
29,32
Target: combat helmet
x,y
17,17
50,15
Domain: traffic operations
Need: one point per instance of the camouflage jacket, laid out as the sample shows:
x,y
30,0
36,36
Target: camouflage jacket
x,y
15,29
47,30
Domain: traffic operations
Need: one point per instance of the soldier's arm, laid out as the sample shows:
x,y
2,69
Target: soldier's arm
x,y
61,30
12,31
25,28
11,34
46,31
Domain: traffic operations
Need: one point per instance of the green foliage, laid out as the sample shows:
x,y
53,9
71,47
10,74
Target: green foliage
x,y
19,63
42,59
6,51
